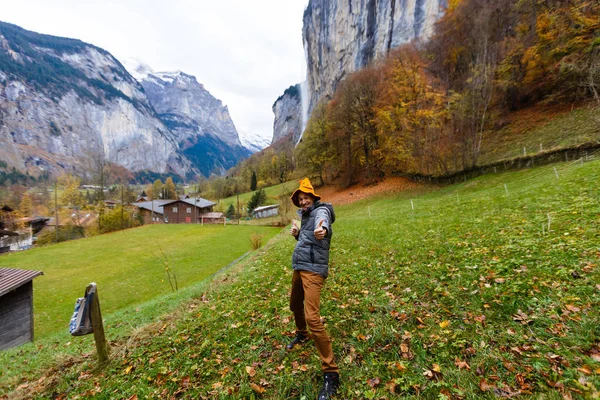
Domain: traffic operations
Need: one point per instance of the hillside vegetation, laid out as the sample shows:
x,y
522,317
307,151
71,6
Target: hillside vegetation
x,y
484,289
492,71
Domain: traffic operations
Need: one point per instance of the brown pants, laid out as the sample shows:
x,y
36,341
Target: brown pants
x,y
304,303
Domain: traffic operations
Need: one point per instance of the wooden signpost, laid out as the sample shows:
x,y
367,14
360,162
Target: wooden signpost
x,y
96,317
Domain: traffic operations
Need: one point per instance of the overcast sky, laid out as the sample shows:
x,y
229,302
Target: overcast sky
x,y
246,53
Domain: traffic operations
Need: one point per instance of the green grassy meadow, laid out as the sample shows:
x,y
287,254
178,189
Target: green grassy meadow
x,y
129,266
482,290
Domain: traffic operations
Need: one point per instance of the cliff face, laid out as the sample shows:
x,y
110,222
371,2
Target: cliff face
x,y
288,115
179,97
342,36
63,102
202,125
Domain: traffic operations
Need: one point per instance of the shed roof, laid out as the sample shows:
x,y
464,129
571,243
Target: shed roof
x,y
212,215
12,278
262,208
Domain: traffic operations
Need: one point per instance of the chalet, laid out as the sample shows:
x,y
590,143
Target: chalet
x,y
16,306
151,211
6,238
266,211
36,223
187,211
19,235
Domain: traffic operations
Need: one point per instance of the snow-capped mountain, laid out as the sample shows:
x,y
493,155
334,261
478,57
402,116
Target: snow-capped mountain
x,y
200,122
254,142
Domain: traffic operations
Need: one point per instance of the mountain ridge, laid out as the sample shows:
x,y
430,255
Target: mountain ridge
x,y
64,102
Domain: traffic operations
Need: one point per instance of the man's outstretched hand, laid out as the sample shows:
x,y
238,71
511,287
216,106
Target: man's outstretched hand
x,y
294,230
320,232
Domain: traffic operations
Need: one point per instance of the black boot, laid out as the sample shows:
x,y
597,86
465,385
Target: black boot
x,y
331,382
299,339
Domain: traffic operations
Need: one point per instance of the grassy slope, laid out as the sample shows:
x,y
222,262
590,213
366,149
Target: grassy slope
x,y
272,193
126,266
468,295
536,129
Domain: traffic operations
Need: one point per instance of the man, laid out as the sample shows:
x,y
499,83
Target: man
x,y
310,262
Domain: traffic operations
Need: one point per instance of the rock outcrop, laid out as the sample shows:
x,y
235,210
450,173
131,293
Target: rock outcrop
x,y
203,128
64,102
342,36
288,115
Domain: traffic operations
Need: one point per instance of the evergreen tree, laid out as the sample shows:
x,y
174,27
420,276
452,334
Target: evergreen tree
x,y
230,213
253,181
258,199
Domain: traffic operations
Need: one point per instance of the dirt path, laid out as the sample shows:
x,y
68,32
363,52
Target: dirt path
x,y
338,196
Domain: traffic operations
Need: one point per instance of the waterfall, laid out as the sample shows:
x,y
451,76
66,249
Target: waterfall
x,y
304,95
304,98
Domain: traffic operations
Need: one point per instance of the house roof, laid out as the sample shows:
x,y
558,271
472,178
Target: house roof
x,y
212,215
155,205
12,278
198,202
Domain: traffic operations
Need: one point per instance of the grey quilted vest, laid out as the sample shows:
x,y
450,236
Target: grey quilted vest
x,y
311,254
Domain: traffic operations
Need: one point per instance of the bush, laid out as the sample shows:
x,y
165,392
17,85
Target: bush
x,y
256,241
67,232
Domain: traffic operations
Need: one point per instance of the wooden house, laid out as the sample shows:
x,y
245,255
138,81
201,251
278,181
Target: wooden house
x,y
16,306
151,211
187,211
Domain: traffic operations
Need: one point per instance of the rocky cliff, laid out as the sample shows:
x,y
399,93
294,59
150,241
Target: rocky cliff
x,y
203,128
342,36
64,102
288,115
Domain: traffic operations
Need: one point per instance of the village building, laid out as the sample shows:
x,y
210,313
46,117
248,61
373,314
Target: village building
x,y
18,233
151,211
188,211
266,211
16,306
182,211
110,204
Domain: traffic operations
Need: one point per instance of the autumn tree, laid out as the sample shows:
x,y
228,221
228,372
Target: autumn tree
x,y
26,205
315,152
169,189
157,189
71,195
353,128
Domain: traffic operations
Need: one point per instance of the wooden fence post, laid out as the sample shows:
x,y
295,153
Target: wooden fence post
x,y
96,316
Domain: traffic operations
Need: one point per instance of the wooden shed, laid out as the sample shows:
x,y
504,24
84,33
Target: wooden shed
x,y
16,306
